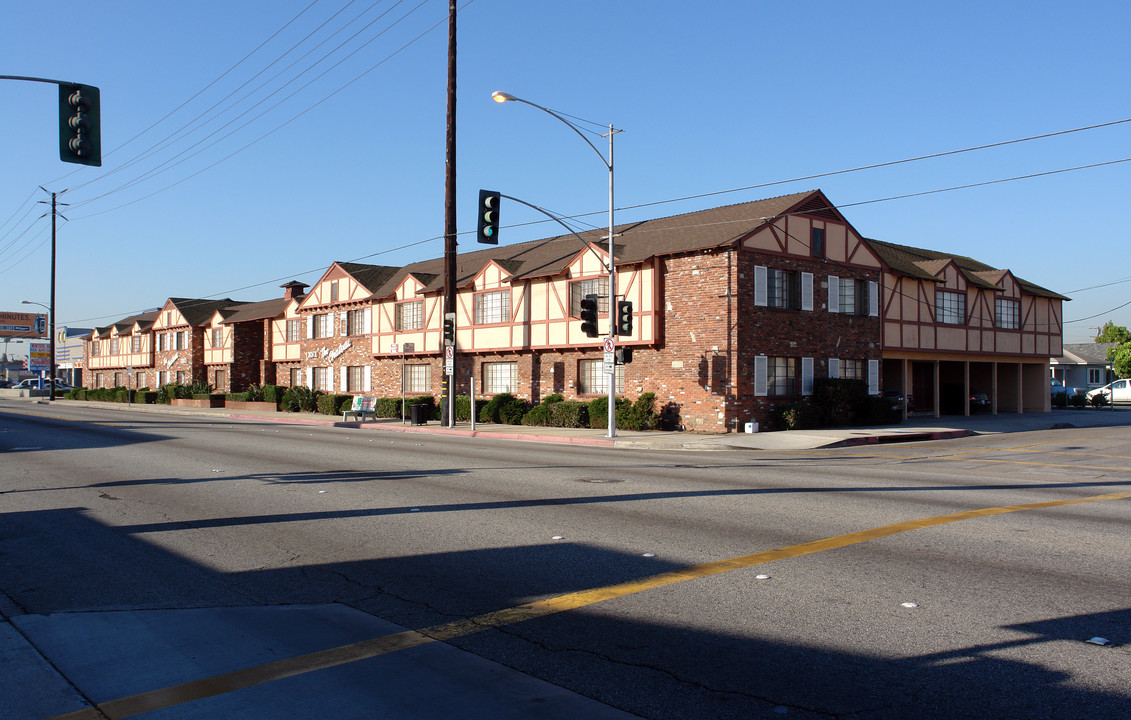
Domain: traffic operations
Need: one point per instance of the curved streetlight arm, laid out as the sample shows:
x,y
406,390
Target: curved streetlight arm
x,y
588,245
504,97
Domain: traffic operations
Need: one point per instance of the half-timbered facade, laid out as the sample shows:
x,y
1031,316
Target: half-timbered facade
x,y
954,326
735,310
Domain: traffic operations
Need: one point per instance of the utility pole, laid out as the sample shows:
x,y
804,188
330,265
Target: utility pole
x,y
448,399
51,300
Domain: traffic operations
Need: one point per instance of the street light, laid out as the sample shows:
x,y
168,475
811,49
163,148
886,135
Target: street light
x,y
51,331
502,97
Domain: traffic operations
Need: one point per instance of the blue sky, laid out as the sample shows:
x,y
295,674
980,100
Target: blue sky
x,y
349,163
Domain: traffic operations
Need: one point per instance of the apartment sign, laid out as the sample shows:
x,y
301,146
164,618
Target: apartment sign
x,y
21,324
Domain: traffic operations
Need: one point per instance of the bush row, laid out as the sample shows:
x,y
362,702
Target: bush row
x,y
836,402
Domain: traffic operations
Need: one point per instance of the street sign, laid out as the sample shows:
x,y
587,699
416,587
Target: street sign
x,y
610,345
394,349
608,367
449,352
449,366
410,347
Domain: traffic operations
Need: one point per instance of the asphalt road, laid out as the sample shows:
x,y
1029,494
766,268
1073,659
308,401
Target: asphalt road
x,y
178,567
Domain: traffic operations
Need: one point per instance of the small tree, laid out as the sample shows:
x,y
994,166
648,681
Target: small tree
x,y
1120,357
1113,333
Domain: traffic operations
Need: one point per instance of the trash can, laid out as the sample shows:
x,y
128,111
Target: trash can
x,y
416,413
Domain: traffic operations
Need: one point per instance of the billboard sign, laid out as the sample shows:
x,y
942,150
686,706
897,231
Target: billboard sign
x,y
39,357
21,324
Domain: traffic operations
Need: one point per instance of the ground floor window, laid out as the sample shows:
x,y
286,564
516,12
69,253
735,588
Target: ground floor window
x,y
296,377
119,380
852,369
140,378
417,378
180,377
321,379
592,380
782,376
355,379
500,377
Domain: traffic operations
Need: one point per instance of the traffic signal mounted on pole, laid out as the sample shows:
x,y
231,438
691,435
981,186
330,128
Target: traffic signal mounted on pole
x,y
589,315
624,355
488,217
624,318
80,133
450,329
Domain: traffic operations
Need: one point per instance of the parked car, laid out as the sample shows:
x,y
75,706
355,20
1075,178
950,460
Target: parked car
x,y
895,397
979,401
1118,391
1059,388
5,383
29,384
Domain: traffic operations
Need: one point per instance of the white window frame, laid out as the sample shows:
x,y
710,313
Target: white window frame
x,y
493,308
950,307
500,377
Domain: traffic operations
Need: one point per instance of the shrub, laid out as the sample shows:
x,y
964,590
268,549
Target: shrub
x,y
798,416
599,411
331,404
236,397
839,399
273,393
1060,400
200,387
301,399
569,414
254,393
504,408
1099,400
1078,401
877,410
540,414
145,397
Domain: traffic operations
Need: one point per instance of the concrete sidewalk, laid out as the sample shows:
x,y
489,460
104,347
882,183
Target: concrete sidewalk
x,y
915,429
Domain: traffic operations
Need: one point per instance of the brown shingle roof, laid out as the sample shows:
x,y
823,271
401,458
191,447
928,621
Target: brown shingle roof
x,y
922,263
635,242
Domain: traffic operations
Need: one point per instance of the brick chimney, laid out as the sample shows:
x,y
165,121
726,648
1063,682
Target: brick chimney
x,y
294,290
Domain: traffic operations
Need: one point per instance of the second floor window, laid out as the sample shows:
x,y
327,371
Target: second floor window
x,y
355,322
950,307
323,325
1008,313
217,337
581,288
294,330
410,315
492,307
114,346
135,344
783,289
179,340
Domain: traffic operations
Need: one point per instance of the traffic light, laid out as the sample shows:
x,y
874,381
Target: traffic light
x,y
79,130
489,217
624,317
624,356
450,329
589,315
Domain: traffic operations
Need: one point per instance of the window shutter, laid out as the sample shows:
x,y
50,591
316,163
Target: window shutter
x,y
806,291
309,327
310,377
834,294
806,376
873,377
834,368
366,374
367,323
344,326
761,376
761,286
873,298
345,381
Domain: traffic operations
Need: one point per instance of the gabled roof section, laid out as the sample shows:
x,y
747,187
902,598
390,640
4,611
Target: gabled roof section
x,y
199,312
143,320
1092,353
914,262
369,277
248,312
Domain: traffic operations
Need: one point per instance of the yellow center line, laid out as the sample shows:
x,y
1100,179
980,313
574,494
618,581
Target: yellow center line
x,y
373,647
